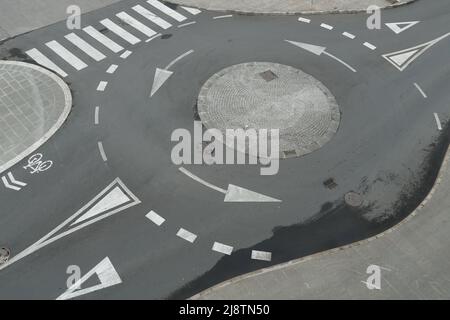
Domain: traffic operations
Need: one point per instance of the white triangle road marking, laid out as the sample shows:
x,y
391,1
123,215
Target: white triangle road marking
x,y
317,50
399,27
161,76
239,194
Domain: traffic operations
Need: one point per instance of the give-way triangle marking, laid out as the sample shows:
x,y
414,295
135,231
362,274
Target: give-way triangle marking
x,y
105,272
233,193
161,76
399,27
403,58
115,198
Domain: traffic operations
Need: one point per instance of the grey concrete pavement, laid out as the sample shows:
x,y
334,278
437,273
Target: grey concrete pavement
x,y
20,16
34,103
289,6
413,256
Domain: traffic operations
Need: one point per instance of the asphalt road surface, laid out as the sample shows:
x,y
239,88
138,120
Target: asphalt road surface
x,y
115,150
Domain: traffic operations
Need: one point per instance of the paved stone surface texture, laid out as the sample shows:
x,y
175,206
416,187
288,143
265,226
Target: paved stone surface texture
x,y
287,6
31,103
414,259
262,95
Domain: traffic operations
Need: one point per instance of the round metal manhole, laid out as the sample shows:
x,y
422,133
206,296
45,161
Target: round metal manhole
x,y
262,95
353,199
4,255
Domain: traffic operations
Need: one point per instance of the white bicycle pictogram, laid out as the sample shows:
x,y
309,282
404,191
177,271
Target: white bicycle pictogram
x,y
36,164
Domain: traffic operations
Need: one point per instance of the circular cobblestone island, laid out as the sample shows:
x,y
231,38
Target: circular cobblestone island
x,y
263,95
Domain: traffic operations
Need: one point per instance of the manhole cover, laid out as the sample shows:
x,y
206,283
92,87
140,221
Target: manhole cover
x,y
4,255
268,75
353,199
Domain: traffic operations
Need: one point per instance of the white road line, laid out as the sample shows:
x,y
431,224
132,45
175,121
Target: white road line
x,y
155,218
186,24
170,65
192,11
194,177
126,54
102,85
438,121
102,151
349,35
125,17
37,56
186,235
85,47
121,32
339,60
154,37
112,68
14,181
420,90
301,19
152,17
326,26
168,11
261,255
10,186
222,248
96,115
369,45
223,17
66,55
100,37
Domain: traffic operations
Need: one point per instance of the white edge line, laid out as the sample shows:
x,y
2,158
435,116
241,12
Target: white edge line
x,y
420,90
207,184
438,121
170,65
339,60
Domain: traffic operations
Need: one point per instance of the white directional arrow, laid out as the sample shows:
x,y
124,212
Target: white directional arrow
x,y
234,193
403,58
399,27
161,76
14,184
105,272
318,51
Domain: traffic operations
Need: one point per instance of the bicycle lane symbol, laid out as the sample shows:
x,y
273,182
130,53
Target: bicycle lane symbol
x,y
36,165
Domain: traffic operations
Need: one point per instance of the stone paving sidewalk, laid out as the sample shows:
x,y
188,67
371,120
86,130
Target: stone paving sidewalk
x,y
34,103
288,6
414,257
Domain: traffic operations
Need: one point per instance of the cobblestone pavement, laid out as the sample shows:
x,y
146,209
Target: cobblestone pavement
x,y
33,104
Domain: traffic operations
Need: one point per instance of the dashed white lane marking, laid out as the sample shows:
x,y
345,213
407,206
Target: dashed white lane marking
x,y
186,235
184,55
187,24
223,17
154,37
105,272
85,47
369,45
65,54
155,218
301,19
125,17
420,90
96,115
102,151
168,11
121,32
192,11
222,248
349,35
126,54
438,121
102,85
37,56
326,26
261,255
112,68
104,40
152,17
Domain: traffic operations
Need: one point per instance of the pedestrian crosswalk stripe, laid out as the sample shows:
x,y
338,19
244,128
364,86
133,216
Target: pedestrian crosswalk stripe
x,y
41,59
100,37
135,24
85,47
65,54
120,31
168,11
192,11
152,17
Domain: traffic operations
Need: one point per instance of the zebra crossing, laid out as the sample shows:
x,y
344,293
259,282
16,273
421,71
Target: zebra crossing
x,y
80,48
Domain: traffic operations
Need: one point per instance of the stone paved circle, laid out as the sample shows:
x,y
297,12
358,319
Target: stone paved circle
x,y
262,95
34,103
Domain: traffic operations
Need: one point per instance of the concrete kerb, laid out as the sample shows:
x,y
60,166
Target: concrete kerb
x,y
329,252
293,13
62,118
